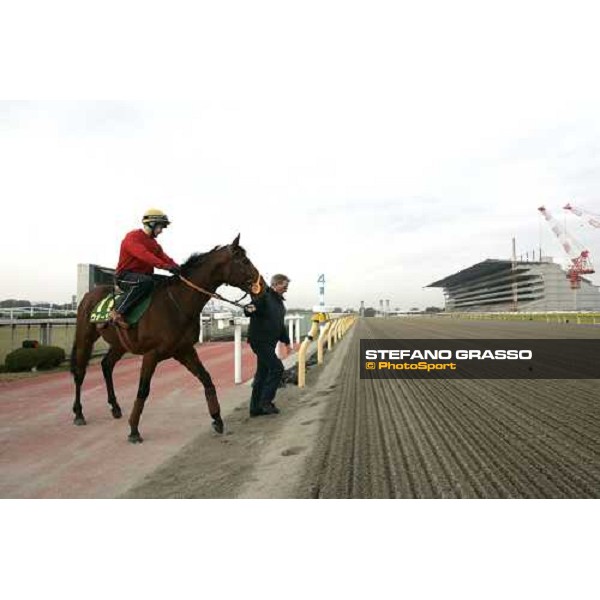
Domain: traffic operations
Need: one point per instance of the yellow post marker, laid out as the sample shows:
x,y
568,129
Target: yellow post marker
x,y
321,342
340,330
302,352
349,323
330,335
337,331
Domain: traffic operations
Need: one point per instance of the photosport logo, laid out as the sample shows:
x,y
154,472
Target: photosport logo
x,y
480,359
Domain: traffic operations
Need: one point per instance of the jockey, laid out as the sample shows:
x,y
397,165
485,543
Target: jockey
x,y
140,254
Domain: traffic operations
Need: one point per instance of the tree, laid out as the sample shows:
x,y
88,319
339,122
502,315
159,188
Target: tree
x,y
11,303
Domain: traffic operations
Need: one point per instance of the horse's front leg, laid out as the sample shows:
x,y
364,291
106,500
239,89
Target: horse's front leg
x,y
189,359
148,366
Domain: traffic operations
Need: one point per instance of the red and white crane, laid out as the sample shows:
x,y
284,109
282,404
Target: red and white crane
x,y
592,218
581,263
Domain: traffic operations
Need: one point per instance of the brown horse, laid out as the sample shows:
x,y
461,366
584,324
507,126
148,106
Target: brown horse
x,y
168,329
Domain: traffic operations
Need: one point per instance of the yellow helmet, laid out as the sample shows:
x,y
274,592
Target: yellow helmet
x,y
153,217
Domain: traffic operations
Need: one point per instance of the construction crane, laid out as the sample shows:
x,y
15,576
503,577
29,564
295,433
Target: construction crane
x,y
581,263
590,217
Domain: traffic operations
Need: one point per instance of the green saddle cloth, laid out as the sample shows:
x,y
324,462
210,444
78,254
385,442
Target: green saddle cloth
x,y
103,308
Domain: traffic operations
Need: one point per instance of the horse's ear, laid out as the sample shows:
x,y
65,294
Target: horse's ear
x,y
235,242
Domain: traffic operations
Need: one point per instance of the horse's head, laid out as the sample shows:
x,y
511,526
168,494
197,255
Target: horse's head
x,y
239,271
224,265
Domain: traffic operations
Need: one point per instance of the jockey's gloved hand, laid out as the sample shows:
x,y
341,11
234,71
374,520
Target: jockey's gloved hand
x,y
174,270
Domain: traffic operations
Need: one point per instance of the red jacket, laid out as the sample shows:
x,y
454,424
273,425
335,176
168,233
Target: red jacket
x,y
140,253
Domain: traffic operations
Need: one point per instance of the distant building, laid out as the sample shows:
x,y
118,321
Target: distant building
x,y
540,286
89,276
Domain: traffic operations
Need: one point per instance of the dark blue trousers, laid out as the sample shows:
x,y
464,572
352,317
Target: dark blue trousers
x,y
135,287
269,370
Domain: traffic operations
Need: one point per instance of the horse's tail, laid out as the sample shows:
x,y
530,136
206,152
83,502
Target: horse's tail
x,y
80,320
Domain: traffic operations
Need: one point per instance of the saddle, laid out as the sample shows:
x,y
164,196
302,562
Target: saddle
x,y
100,313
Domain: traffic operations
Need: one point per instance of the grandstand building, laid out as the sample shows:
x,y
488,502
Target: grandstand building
x,y
89,276
492,285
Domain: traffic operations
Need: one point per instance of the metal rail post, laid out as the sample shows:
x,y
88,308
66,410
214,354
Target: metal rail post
x,y
237,353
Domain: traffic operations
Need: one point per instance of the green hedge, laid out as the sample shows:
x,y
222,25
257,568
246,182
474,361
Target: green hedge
x,y
42,357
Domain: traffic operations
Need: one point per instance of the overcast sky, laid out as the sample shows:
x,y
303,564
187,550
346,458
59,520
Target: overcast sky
x,y
385,145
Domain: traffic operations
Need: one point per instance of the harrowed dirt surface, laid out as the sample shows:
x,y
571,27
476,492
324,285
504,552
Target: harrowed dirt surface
x,y
461,438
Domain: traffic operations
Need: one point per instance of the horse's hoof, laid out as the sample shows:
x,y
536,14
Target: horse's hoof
x,y
116,412
79,421
218,426
135,438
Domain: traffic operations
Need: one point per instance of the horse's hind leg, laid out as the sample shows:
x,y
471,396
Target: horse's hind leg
x,y
80,356
108,364
189,359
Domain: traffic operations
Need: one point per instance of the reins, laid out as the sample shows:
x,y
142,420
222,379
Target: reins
x,y
218,296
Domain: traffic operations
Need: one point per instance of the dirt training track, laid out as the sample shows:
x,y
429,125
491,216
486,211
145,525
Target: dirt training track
x,y
462,438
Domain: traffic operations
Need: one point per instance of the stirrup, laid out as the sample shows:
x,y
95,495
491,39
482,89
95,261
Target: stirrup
x,y
118,320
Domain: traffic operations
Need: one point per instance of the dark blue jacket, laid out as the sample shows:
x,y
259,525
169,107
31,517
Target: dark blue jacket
x,y
267,322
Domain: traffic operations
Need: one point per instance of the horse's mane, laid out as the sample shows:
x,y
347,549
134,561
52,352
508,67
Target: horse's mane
x,y
194,261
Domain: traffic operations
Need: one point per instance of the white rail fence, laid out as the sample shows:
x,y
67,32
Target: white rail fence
x,y
23,312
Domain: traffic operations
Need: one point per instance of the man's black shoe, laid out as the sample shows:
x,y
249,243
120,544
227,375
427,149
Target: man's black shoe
x,y
258,412
269,409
